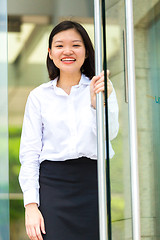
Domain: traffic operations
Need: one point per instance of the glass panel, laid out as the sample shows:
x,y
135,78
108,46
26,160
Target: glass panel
x,y
154,44
147,59
4,181
120,163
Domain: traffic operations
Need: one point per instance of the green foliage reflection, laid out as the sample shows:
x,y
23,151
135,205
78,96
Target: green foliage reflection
x,y
14,164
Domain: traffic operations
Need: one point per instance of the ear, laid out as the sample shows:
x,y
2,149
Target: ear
x,y
49,51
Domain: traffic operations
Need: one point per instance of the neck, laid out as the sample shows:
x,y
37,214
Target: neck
x,y
66,81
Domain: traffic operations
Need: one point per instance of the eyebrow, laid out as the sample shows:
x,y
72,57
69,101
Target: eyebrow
x,y
59,41
76,41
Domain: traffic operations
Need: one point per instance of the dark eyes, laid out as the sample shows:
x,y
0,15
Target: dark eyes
x,y
76,45
60,46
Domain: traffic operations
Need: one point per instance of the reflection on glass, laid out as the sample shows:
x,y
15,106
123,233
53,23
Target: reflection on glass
x,y
4,185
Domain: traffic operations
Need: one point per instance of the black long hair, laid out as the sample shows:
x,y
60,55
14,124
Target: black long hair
x,y
88,67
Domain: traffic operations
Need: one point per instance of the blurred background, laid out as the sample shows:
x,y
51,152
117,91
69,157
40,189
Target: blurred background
x,y
29,25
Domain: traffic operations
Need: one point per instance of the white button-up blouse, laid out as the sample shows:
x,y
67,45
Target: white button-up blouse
x,y
57,127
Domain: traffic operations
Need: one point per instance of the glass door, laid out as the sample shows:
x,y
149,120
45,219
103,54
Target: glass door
x,y
120,163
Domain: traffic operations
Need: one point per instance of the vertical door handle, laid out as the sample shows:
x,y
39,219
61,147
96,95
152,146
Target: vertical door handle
x,y
132,120
100,128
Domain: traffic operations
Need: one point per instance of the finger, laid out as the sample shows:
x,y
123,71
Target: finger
x,y
28,232
101,81
100,85
33,234
102,73
94,79
42,226
100,90
38,233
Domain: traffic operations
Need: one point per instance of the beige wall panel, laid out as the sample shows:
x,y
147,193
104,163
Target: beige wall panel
x,y
30,7
143,100
141,48
141,8
147,228
146,172
53,8
144,124
111,3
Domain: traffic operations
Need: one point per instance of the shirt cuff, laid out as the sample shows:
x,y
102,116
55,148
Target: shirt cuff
x,y
31,196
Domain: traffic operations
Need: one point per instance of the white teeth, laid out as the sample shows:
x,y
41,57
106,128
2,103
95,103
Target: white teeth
x,y
68,59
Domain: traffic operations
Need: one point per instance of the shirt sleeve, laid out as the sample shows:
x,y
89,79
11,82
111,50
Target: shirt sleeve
x,y
113,112
30,149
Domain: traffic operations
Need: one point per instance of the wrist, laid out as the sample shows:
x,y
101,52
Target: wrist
x,y
31,205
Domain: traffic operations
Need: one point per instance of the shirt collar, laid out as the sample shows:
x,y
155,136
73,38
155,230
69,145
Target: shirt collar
x,y
83,81
54,82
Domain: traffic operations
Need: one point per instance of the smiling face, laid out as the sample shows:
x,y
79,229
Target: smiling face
x,y
68,51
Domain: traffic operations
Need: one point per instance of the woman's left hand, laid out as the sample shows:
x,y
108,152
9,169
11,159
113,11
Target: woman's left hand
x,y
97,85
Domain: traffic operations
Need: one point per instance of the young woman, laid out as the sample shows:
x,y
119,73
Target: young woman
x,y
58,148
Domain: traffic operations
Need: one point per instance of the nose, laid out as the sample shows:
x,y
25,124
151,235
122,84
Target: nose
x,y
68,51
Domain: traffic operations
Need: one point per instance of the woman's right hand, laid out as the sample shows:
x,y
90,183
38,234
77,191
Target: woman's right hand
x,y
34,222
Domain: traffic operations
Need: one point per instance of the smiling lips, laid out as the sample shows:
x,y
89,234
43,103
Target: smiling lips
x,y
68,60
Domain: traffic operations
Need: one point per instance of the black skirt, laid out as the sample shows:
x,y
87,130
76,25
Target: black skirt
x,y
69,199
